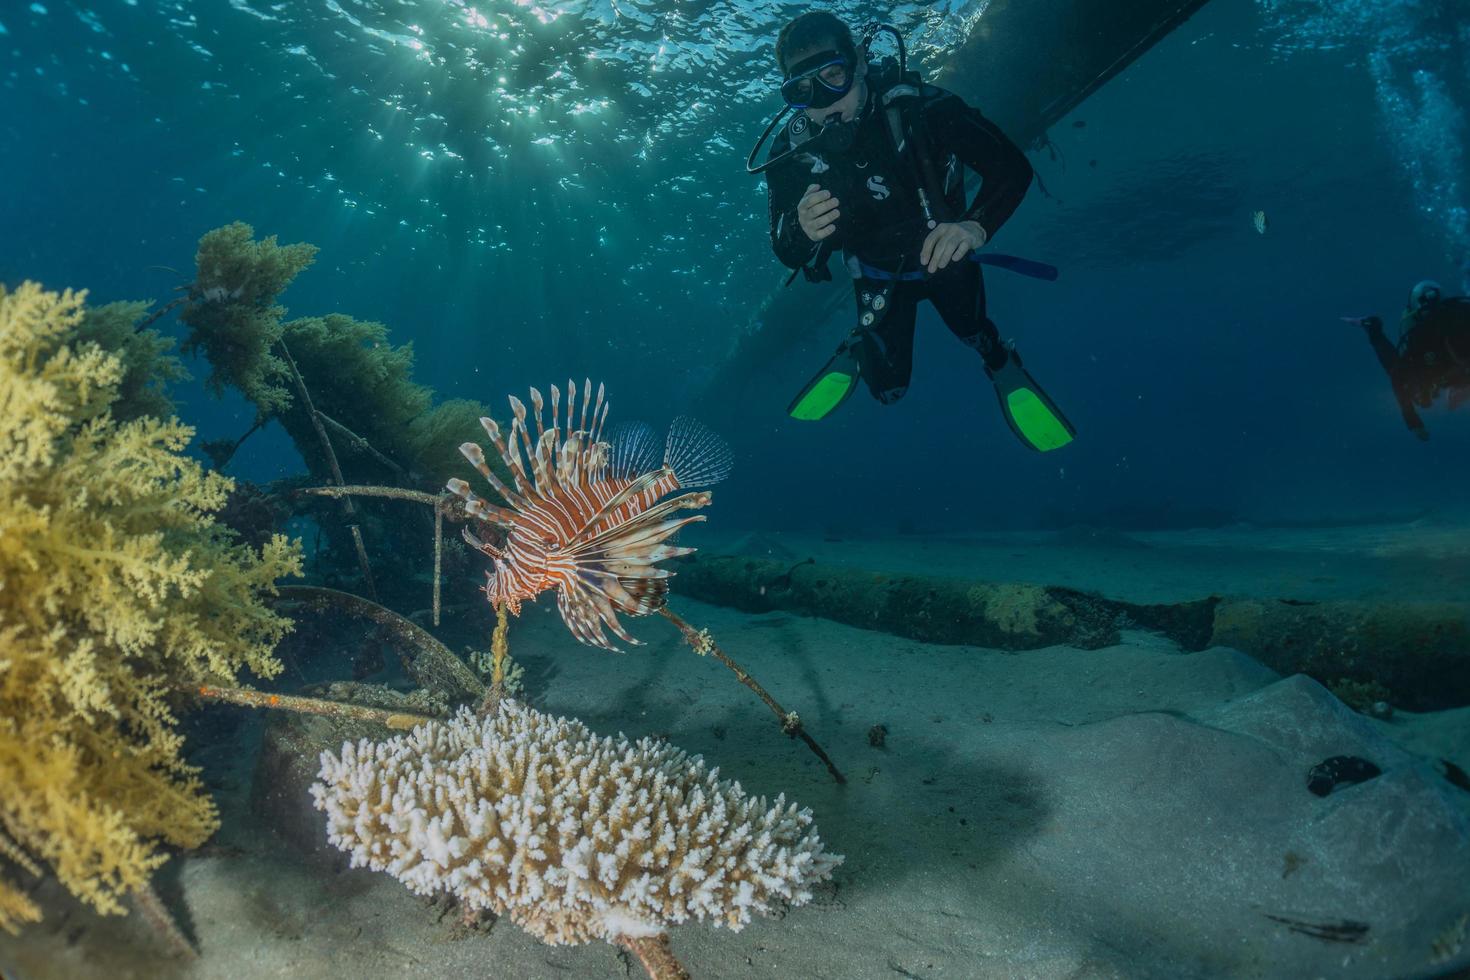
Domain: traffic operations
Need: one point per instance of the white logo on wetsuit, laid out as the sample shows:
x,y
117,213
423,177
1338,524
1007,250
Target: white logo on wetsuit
x,y
880,190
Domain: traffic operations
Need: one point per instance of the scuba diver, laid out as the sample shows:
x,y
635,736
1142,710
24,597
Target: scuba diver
x,y
872,164
1432,354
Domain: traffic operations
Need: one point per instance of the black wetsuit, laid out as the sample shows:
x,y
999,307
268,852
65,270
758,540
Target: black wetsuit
x,y
1432,355
883,224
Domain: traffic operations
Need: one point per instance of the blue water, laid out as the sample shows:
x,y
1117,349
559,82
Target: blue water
x,y
1048,774
529,192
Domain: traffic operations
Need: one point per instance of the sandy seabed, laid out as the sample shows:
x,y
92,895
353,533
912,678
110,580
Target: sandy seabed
x,y
1133,811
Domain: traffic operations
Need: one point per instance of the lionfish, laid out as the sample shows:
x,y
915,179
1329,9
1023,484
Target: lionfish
x,y
588,520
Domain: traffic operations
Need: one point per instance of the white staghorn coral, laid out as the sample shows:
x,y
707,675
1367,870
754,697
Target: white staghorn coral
x,y
575,837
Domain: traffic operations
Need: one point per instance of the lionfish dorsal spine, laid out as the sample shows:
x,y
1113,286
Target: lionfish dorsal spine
x,y
512,461
571,406
578,456
597,460
601,422
536,404
478,506
520,437
544,473
586,401
597,411
476,456
472,452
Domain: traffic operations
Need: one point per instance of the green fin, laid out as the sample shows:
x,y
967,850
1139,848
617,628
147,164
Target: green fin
x,y
827,390
1032,416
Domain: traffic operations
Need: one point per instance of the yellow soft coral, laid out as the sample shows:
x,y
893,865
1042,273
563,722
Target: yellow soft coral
x,y
16,909
116,587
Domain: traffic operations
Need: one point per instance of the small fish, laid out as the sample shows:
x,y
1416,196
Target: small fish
x,y
1260,221
218,294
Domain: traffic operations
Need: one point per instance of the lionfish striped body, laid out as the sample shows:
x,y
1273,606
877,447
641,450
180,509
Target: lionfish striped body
x,y
585,515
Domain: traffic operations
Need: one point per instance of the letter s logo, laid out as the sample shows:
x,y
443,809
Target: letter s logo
x,y
879,189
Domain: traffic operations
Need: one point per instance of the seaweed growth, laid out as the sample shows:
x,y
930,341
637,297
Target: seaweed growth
x,y
232,316
117,585
148,365
341,390
358,386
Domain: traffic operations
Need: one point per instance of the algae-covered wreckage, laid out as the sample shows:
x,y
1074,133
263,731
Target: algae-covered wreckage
x,y
1415,655
1025,64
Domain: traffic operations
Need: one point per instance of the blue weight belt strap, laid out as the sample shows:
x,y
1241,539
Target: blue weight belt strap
x,y
1013,263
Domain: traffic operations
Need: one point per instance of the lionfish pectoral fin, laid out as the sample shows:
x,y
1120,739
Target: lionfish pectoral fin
x,y
686,501
639,540
614,502
586,610
612,595
645,530
613,588
650,594
635,569
640,523
633,595
666,551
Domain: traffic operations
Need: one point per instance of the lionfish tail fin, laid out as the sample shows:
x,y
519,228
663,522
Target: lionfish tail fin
x,y
698,457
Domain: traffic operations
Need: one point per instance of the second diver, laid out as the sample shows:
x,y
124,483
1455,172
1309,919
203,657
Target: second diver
x,y
1431,355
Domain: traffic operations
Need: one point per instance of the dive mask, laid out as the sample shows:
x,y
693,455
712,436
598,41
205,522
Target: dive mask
x,y
818,81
